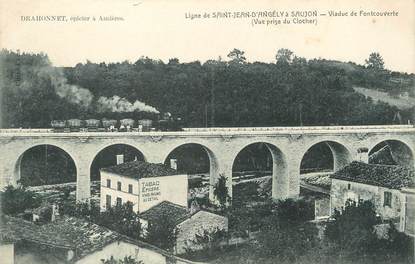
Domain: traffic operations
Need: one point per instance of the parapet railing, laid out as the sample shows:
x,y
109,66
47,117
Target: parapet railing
x,y
208,129
227,129
26,130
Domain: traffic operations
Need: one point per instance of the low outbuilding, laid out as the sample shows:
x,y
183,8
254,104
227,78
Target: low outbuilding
x,y
72,240
188,222
386,186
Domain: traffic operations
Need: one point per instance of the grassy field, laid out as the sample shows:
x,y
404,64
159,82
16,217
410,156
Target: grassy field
x,y
400,102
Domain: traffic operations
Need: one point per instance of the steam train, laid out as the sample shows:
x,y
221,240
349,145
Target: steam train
x,y
166,123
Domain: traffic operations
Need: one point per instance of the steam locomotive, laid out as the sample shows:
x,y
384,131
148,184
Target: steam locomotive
x,y
166,123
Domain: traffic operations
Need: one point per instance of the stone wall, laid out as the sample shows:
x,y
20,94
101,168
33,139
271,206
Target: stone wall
x,y
198,222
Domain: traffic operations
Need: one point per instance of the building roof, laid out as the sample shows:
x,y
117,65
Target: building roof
x,y
67,232
141,169
175,212
393,177
320,180
85,236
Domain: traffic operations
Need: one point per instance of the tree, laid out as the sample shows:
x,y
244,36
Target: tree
x,y
237,56
120,218
287,241
352,229
208,242
162,233
17,200
215,91
221,191
286,232
351,236
375,61
173,61
294,211
284,56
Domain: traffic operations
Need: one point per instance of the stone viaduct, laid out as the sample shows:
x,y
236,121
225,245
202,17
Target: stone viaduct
x,y
286,144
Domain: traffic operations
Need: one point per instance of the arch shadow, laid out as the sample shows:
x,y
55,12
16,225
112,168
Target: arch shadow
x,y
341,155
280,179
213,168
392,152
17,171
107,156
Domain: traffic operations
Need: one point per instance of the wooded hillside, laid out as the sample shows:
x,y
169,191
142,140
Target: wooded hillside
x,y
290,92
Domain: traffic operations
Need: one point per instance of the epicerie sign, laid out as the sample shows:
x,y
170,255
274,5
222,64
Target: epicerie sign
x,y
150,191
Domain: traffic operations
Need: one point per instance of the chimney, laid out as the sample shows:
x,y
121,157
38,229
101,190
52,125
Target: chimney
x,y
120,159
55,212
173,164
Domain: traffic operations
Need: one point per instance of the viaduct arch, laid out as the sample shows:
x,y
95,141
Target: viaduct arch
x,y
402,152
340,153
111,147
286,144
20,156
280,179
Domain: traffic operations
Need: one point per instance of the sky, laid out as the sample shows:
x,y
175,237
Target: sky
x,y
160,30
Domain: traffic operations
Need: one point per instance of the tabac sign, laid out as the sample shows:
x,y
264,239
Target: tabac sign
x,y
165,188
150,190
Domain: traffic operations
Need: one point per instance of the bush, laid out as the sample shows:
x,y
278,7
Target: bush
x,y
221,192
162,233
396,248
352,229
286,234
125,260
294,211
120,218
17,200
353,238
288,242
245,193
206,244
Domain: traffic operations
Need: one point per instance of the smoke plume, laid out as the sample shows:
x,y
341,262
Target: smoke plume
x,y
72,93
84,98
121,105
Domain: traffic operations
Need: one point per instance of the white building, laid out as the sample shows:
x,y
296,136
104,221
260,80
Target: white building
x,y
143,184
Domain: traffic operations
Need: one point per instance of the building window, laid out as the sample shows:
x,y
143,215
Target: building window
x,y
130,188
108,183
119,186
387,199
348,186
119,201
108,201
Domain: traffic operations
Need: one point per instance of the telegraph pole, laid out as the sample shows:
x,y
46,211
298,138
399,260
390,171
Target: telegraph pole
x,y
300,108
206,115
212,100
